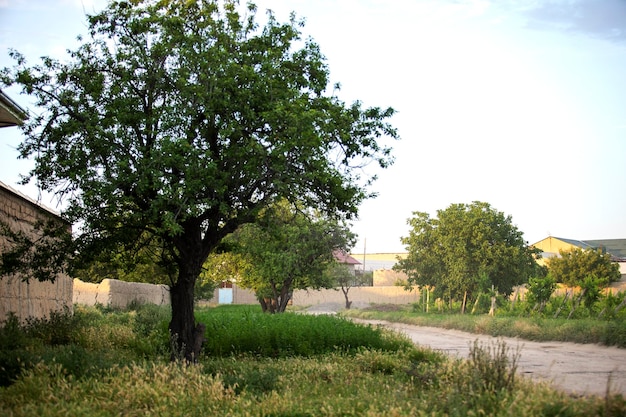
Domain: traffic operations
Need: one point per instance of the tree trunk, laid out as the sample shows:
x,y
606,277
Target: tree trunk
x,y
268,305
285,296
345,295
576,303
558,311
464,302
492,309
186,338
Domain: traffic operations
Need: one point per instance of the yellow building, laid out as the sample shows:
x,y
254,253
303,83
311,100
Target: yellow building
x,y
552,246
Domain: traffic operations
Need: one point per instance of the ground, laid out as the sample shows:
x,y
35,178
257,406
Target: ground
x,y
575,368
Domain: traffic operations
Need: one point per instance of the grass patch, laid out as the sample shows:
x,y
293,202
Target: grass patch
x,y
235,330
98,368
84,342
582,330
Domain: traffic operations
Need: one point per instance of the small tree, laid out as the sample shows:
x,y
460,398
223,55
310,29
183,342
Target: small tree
x,y
344,278
592,287
575,265
287,250
540,289
466,249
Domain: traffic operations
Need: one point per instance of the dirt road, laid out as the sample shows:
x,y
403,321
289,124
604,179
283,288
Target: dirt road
x,y
575,368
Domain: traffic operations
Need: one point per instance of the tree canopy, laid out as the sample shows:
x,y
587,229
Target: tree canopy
x,y
466,249
181,120
289,250
575,265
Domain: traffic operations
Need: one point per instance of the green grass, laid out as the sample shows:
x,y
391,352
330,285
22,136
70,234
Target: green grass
x,y
245,329
97,363
580,330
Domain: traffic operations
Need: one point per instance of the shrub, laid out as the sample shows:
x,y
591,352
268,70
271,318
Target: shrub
x,y
60,328
539,291
492,368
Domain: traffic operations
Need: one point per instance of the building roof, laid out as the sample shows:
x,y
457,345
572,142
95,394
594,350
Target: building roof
x,y
10,113
345,258
614,247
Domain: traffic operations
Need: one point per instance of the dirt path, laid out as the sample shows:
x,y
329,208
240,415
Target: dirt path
x,y
575,368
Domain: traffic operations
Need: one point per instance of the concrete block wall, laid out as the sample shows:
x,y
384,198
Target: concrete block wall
x,y
119,294
33,299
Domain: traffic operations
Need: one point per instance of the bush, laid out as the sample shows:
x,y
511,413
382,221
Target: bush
x,y
60,328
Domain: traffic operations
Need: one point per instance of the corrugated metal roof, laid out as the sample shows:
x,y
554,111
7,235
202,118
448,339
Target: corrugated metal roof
x,y
614,247
579,243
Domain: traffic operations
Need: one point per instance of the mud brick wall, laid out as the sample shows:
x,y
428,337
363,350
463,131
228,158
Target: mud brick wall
x,y
358,296
388,277
32,299
119,294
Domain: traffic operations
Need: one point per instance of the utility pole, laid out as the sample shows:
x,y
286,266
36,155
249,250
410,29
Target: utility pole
x,y
364,250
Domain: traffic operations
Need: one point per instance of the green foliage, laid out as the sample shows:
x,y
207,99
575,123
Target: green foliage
x,y
482,303
289,249
485,382
59,328
177,121
221,266
84,342
578,329
575,265
238,375
592,287
407,381
245,330
493,366
467,249
342,276
540,289
611,304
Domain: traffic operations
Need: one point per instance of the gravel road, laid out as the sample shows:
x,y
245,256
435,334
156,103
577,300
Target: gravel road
x,y
580,369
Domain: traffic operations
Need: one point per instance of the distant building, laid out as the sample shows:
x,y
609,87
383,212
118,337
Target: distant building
x,y
552,246
346,259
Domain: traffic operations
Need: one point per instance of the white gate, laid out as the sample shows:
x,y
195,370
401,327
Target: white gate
x,y
225,296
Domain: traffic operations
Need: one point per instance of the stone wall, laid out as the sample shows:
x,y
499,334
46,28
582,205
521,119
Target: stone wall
x,y
32,299
119,294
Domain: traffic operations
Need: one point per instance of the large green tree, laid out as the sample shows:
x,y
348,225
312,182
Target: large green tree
x,y
466,249
575,265
181,120
289,249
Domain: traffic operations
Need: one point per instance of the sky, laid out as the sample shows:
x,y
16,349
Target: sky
x,y
517,103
